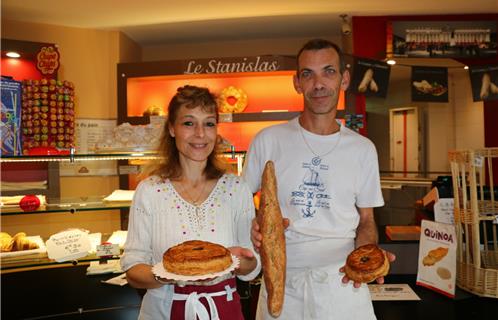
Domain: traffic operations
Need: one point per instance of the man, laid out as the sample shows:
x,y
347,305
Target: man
x,y
328,184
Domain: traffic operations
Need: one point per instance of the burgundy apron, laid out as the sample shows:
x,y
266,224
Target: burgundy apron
x,y
219,301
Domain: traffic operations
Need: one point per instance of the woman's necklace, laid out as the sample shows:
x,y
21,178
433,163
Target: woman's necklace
x,y
195,201
318,157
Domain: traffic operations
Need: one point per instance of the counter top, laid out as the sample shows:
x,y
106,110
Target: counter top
x,y
434,306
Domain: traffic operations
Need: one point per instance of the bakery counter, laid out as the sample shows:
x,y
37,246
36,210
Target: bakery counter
x,y
66,293
434,306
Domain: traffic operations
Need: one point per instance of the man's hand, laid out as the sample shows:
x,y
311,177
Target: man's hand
x,y
379,280
257,237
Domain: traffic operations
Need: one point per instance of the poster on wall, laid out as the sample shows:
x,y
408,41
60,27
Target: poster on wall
x,y
429,84
370,77
88,132
10,124
443,39
484,82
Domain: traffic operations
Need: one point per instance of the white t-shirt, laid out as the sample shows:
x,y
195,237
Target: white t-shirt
x,y
161,218
318,194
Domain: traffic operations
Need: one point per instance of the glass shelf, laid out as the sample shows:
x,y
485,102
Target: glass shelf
x,y
92,157
72,205
42,261
82,157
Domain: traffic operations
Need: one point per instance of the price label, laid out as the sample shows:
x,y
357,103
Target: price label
x,y
107,249
68,245
478,160
443,211
225,117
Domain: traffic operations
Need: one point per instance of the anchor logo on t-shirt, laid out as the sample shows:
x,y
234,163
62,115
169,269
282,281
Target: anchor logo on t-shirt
x,y
311,195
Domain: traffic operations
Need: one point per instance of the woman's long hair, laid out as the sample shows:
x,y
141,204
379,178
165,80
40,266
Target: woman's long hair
x,y
168,167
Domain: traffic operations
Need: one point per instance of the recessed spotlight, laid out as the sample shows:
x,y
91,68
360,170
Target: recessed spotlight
x,y
12,54
391,62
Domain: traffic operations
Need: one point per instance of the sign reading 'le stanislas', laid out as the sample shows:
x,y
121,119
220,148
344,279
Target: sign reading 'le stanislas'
x,y
230,65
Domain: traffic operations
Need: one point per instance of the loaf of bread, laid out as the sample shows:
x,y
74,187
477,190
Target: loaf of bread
x,y
6,242
19,242
272,249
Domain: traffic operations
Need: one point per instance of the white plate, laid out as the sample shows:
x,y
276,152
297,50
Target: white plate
x,y
158,270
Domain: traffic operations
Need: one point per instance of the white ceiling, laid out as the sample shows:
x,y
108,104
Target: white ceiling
x,y
150,22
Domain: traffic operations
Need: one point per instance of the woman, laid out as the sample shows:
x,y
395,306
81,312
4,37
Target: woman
x,y
188,196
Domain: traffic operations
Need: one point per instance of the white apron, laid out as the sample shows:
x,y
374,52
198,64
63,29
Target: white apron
x,y
314,290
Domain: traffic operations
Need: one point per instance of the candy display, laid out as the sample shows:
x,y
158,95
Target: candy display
x,y
47,114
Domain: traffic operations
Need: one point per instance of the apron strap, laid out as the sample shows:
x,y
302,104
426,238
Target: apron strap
x,y
305,280
194,308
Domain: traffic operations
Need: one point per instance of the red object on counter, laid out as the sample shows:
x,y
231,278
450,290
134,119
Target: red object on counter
x,y
29,202
46,151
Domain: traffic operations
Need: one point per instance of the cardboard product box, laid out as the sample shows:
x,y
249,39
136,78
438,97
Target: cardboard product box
x,y
11,118
403,233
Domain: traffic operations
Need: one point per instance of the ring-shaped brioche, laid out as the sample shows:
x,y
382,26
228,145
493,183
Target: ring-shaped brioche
x,y
366,263
196,257
240,100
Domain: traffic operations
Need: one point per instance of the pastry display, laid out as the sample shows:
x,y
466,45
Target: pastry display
x,y
154,111
127,137
366,263
435,255
232,99
19,242
196,257
273,256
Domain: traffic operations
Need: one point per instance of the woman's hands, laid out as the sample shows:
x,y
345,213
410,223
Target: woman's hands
x,y
247,260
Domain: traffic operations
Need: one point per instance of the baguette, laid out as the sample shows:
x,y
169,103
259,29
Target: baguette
x,y
485,86
272,249
365,81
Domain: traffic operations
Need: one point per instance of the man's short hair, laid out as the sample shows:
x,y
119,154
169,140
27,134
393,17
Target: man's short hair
x,y
318,44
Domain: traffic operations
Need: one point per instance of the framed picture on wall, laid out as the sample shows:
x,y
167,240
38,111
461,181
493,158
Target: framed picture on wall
x,y
443,39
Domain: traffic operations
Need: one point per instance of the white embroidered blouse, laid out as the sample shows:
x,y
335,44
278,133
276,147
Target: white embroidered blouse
x,y
161,218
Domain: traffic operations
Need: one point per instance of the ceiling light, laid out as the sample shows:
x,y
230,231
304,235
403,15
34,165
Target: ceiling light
x,y
466,67
391,62
12,54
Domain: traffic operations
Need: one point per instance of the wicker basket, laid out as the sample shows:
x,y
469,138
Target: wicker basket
x,y
475,210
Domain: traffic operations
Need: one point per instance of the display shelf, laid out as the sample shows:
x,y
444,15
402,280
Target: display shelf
x,y
239,117
40,260
71,205
133,155
136,155
43,262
